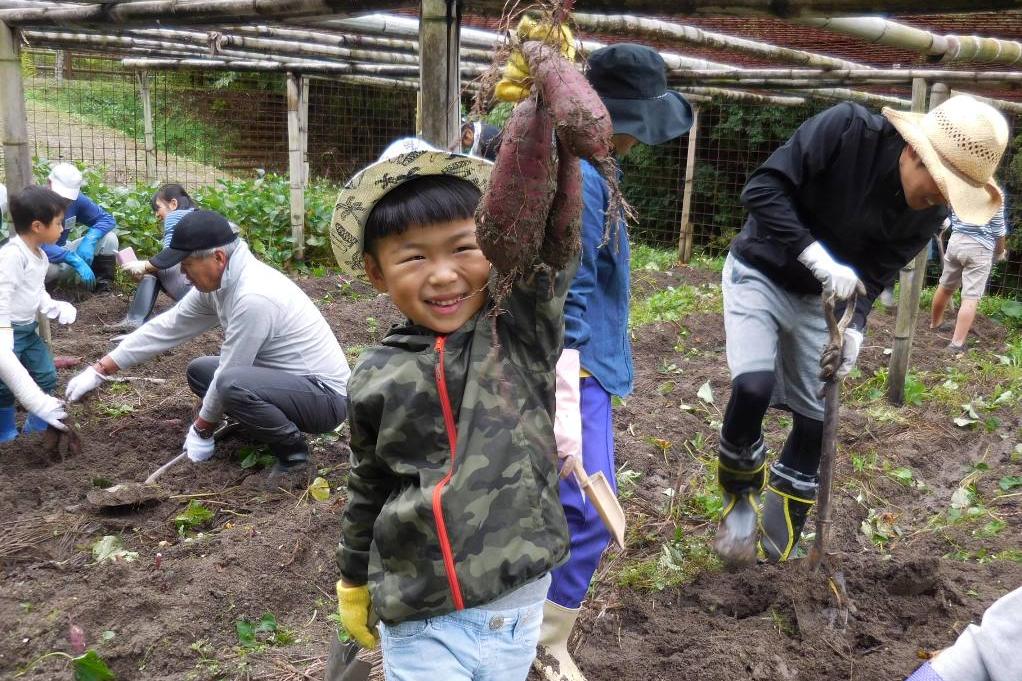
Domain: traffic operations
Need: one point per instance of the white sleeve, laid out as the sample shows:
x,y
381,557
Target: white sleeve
x,y
8,284
193,315
16,377
989,651
251,325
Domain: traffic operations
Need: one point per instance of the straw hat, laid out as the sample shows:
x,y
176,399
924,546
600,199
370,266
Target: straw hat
x,y
360,194
960,142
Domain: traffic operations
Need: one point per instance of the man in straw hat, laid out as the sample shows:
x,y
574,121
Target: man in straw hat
x,y
842,206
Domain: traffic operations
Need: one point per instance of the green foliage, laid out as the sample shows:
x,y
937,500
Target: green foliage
x,y
117,104
255,457
675,303
1005,310
195,515
679,562
255,635
260,207
651,178
645,257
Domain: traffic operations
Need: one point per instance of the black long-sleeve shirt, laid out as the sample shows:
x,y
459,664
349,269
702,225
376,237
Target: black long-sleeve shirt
x,y
835,181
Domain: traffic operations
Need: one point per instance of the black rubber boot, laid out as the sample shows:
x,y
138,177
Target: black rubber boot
x,y
103,268
142,304
741,472
294,468
787,501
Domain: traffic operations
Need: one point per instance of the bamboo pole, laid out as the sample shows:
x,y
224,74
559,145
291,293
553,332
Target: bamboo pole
x,y
439,73
147,123
296,134
941,48
710,93
854,75
686,235
666,32
17,155
188,11
910,285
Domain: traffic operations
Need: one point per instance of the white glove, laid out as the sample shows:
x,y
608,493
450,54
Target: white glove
x,y
849,351
841,280
52,412
567,417
136,267
198,448
83,383
63,312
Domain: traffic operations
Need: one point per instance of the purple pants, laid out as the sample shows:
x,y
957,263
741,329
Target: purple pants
x,y
589,537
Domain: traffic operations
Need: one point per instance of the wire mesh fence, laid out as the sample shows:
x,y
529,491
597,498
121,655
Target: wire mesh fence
x,y
211,125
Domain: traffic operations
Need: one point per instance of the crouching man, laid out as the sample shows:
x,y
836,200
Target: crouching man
x,y
280,371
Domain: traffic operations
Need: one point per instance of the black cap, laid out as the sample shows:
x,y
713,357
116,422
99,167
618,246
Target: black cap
x,y
197,231
632,82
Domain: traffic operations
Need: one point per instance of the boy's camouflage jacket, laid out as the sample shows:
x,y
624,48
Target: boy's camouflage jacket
x,y
430,534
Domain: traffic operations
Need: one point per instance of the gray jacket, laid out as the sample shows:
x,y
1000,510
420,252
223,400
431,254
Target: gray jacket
x,y
267,321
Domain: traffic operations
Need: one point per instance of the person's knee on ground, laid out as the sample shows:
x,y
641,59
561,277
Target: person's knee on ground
x,y
792,488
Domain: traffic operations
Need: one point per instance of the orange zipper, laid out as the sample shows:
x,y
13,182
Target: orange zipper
x,y
438,511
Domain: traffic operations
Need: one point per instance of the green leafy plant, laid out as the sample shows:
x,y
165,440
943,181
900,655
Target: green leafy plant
x,y
194,516
255,457
110,548
116,410
88,666
255,635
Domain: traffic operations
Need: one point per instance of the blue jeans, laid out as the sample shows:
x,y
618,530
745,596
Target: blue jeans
x,y
589,536
470,645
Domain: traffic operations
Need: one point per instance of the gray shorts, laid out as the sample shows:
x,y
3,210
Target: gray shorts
x,y
967,262
771,329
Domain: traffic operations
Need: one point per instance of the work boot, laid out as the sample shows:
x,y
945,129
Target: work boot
x,y
789,496
8,426
293,470
142,304
34,424
103,268
553,660
741,473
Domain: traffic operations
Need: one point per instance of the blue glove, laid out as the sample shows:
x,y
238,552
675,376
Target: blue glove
x,y
87,246
84,271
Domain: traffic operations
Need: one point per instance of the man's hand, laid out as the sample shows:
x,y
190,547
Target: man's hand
x,y
567,417
82,268
353,607
63,312
199,448
87,246
84,383
841,280
137,268
52,411
836,366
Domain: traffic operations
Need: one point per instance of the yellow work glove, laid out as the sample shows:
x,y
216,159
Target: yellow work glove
x,y
515,81
353,606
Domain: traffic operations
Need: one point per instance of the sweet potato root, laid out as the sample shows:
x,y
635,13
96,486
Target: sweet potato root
x,y
512,215
564,224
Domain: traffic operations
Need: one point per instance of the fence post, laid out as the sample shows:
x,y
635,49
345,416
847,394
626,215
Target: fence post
x,y
439,74
58,66
911,279
685,241
147,124
17,156
297,131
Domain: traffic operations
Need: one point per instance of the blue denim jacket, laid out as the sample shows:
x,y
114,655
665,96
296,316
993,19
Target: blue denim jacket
x,y
596,310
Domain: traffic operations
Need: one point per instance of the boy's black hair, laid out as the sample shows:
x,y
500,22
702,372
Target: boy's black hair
x,y
35,203
173,191
426,200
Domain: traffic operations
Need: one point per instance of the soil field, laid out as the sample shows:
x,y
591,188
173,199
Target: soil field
x,y
939,502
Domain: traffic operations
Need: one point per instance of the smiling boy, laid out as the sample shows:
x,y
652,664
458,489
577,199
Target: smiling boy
x,y
453,521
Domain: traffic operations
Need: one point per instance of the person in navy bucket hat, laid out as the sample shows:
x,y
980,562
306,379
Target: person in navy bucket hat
x,y
596,362
632,82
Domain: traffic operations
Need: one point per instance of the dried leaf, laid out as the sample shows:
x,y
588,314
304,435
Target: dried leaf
x,y
705,393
